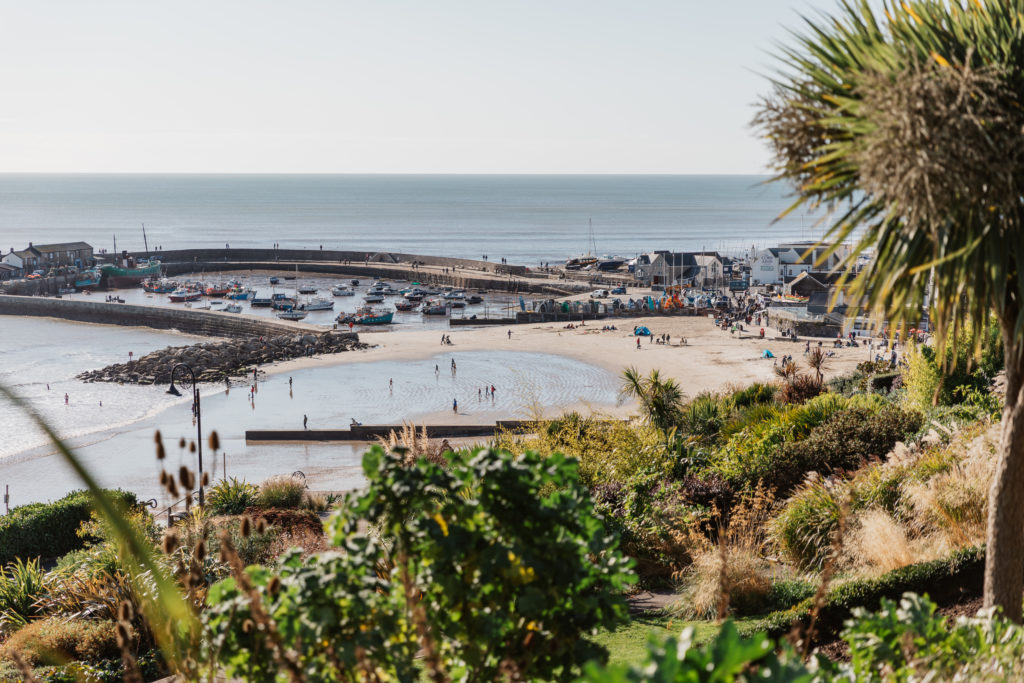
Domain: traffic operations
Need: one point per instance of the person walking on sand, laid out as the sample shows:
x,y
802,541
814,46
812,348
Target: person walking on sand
x,y
638,343
391,385
492,392
442,340
455,405
65,399
305,422
289,383
510,335
437,370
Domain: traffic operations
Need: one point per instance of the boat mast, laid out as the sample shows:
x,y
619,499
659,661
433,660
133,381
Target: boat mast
x,y
145,243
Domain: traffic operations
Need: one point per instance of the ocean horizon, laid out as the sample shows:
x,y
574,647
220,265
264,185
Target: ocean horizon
x,y
526,219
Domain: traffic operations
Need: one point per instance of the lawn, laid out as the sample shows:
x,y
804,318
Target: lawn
x,y
628,644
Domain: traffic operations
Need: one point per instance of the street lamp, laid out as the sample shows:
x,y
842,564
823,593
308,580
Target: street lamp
x,y
173,391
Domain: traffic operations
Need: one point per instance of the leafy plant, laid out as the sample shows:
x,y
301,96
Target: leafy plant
x,y
660,399
496,563
21,586
231,496
54,640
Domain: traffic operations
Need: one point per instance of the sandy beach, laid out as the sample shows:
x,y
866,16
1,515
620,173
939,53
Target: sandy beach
x,y
711,359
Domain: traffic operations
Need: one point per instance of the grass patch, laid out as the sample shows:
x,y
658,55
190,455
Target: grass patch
x,y
628,644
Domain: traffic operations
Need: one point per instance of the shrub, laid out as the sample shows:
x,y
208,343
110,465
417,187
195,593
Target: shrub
x,y
878,542
803,529
544,574
608,450
753,394
49,530
56,640
282,491
844,442
21,585
230,496
954,577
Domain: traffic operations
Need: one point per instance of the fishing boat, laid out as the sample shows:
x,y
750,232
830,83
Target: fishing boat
x,y
274,280
307,289
88,278
434,307
282,302
474,299
232,308
368,316
457,303
159,285
291,314
342,290
404,306
456,294
128,273
373,298
318,304
219,289
261,302
239,293
185,294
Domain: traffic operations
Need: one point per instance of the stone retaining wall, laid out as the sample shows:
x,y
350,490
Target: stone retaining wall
x,y
209,323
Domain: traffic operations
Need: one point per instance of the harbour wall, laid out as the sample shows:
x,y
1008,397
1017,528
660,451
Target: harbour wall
x,y
329,255
206,323
365,433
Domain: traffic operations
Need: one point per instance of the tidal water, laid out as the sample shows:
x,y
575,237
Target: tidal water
x,y
526,219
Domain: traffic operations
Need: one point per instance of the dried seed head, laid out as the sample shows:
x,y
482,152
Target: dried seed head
x,y
274,585
191,446
195,578
261,526
214,441
156,436
172,488
170,542
183,476
246,527
206,478
160,452
163,477
125,612
199,552
247,626
181,442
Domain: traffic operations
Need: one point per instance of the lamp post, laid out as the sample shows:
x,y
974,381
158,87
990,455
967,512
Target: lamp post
x,y
173,391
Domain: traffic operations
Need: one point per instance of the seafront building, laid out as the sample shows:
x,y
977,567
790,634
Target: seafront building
x,y
46,256
781,264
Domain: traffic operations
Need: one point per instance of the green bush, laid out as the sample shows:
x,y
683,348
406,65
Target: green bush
x,y
494,564
21,585
961,574
230,496
49,530
844,442
281,492
803,529
54,639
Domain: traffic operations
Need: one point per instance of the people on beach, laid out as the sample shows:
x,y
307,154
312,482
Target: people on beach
x,y
510,334
492,392
66,399
289,382
455,405
391,385
638,343
305,422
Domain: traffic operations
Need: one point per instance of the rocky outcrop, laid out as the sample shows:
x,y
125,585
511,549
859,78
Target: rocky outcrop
x,y
216,361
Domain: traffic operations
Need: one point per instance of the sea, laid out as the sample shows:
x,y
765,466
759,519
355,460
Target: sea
x,y
524,219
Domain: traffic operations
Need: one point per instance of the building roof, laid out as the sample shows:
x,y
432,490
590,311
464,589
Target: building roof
x,y
25,253
63,246
7,266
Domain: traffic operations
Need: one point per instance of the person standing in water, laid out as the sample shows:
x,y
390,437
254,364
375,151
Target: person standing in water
x,y
65,399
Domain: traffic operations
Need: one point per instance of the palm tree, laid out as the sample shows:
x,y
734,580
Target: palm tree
x,y
816,361
660,399
907,127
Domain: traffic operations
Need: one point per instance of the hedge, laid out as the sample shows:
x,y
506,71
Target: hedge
x,y
50,530
945,580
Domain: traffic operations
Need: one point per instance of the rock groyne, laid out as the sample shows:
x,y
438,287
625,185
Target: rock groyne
x,y
217,361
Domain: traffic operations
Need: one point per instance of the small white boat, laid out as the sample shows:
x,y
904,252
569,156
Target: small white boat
x,y
373,298
308,289
232,308
318,304
291,315
342,290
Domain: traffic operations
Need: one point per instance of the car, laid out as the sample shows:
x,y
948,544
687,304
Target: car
x,y
33,276
599,294
619,290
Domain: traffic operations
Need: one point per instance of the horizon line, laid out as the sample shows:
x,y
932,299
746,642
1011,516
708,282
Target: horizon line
x,y
378,173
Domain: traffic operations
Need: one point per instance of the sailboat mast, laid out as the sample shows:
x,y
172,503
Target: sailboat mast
x,y
145,243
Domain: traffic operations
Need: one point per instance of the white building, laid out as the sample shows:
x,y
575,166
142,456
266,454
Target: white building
x,y
774,265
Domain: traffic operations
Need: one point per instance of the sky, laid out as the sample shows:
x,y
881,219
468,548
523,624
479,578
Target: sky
x,y
387,86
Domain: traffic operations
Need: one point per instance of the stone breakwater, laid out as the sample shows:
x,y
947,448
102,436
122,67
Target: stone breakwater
x,y
217,361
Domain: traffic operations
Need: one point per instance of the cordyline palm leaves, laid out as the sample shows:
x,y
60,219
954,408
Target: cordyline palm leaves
x,y
660,399
908,126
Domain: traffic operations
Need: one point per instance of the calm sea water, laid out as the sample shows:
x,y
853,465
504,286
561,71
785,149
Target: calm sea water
x,y
526,219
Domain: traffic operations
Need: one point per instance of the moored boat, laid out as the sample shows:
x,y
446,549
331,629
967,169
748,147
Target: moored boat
x,y
368,316
433,307
373,298
342,290
261,301
217,290
291,314
317,304
185,294
88,278
404,306
282,302
129,273
232,308
307,289
159,285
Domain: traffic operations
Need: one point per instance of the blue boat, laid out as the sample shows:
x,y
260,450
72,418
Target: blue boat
x,y
368,316
88,278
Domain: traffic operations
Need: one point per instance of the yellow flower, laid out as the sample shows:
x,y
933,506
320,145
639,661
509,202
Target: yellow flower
x,y
532,626
441,523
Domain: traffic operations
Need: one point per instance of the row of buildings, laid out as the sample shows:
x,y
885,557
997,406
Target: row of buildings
x,y
45,257
793,267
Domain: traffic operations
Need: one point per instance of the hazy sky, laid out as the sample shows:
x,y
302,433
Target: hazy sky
x,y
387,86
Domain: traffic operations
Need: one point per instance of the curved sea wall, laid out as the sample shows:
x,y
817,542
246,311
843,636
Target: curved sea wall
x,y
208,323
